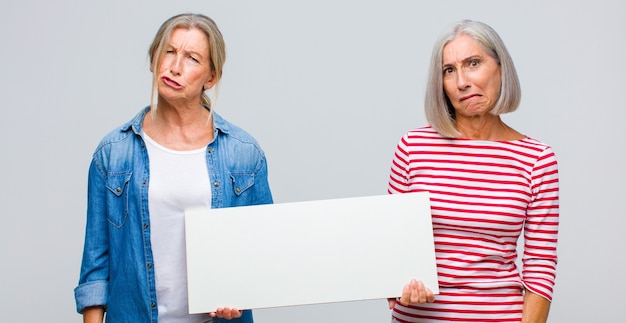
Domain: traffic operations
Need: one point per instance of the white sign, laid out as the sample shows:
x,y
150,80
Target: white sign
x,y
308,252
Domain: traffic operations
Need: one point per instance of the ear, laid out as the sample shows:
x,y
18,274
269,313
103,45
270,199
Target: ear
x,y
211,82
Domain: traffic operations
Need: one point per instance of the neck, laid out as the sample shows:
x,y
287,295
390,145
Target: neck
x,y
180,127
485,127
180,116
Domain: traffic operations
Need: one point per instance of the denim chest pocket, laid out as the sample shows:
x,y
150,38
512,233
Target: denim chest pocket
x,y
117,197
242,181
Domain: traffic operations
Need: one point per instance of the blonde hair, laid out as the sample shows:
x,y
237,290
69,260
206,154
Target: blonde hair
x,y
217,50
439,110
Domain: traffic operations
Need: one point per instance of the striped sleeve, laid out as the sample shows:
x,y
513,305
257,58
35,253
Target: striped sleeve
x,y
399,177
541,227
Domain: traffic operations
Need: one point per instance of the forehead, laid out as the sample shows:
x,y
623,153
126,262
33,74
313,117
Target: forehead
x,y
189,39
462,47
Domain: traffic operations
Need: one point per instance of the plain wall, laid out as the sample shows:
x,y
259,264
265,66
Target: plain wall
x,y
327,88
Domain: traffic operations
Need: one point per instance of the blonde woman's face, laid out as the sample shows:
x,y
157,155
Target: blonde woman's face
x,y
185,68
471,77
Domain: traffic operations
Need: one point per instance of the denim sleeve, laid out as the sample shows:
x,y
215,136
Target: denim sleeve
x,y
262,186
93,283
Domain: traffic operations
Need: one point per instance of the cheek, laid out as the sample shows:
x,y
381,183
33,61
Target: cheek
x,y
495,82
163,66
448,88
494,87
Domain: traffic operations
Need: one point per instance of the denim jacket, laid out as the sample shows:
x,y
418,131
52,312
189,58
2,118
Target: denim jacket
x,y
117,270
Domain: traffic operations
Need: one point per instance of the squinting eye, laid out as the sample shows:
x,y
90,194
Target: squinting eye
x,y
194,59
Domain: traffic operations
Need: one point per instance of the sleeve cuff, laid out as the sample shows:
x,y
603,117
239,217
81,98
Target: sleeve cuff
x,y
91,294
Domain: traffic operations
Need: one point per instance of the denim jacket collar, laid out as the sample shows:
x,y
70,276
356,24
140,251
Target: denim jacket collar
x,y
136,124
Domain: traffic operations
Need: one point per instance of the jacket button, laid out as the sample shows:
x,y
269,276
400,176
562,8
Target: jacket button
x,y
149,266
216,184
119,189
152,305
238,190
210,150
145,225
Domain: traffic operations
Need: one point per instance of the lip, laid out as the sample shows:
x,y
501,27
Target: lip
x,y
469,97
171,82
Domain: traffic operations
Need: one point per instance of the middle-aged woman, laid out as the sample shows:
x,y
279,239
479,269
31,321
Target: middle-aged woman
x,y
487,182
174,155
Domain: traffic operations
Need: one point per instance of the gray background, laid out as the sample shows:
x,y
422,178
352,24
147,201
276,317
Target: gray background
x,y
328,88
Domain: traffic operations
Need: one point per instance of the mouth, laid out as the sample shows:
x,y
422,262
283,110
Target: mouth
x,y
467,97
171,82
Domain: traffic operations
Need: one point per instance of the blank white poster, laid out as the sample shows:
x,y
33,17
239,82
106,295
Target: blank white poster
x,y
308,252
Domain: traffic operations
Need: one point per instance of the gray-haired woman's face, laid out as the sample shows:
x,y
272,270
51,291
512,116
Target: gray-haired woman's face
x,y
471,77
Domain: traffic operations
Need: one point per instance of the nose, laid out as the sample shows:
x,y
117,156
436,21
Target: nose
x,y
176,65
462,80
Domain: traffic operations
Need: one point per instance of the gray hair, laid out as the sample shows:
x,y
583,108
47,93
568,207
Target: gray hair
x,y
217,49
439,110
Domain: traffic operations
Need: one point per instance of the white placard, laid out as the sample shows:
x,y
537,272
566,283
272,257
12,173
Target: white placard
x,y
308,252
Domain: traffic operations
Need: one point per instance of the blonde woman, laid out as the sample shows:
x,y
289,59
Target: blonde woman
x,y
175,154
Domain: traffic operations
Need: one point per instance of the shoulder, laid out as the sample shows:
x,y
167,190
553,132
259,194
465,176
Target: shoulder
x,y
232,130
534,145
426,131
422,134
123,133
235,135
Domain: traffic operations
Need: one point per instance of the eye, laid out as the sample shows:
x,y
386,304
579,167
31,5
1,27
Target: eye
x,y
448,70
194,59
474,62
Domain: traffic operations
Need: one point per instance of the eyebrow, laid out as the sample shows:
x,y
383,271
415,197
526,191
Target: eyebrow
x,y
189,52
465,60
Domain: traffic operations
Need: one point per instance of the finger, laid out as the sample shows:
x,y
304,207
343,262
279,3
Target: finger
x,y
416,289
422,295
431,296
216,313
227,313
392,302
235,313
406,295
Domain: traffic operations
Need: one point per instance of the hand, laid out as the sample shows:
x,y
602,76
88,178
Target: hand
x,y
413,293
226,313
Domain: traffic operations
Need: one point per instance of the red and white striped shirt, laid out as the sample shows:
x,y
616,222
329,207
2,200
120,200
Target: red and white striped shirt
x,y
482,194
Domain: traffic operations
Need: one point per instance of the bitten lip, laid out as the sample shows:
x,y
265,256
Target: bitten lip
x,y
469,96
171,82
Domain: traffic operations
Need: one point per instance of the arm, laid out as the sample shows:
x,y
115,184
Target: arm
x,y
540,239
262,185
94,314
535,308
92,289
399,173
414,292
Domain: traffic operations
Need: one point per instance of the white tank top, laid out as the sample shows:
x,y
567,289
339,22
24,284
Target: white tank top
x,y
179,180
